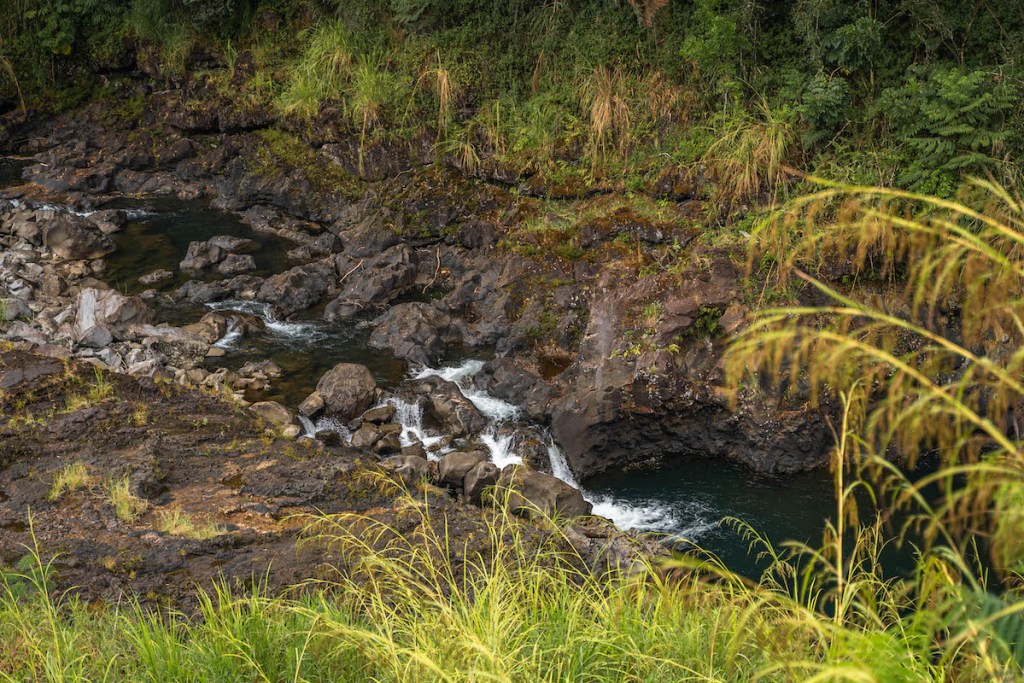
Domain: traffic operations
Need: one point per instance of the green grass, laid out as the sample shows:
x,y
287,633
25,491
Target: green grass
x,y
127,506
70,479
177,522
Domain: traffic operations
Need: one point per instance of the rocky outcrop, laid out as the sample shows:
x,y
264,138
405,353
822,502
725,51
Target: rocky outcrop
x,y
72,238
104,315
371,282
297,289
417,332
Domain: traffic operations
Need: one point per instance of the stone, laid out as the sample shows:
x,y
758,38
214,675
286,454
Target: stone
x,y
236,264
453,467
411,469
312,405
107,309
296,289
232,244
273,412
201,255
373,281
388,443
75,238
156,277
216,352
483,476
291,431
380,414
366,436
534,494
416,331
347,390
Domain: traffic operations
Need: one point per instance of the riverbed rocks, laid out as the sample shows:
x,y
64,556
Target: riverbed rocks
x,y
453,467
416,331
372,282
105,315
347,390
298,288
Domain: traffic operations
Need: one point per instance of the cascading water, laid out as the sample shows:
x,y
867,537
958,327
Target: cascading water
x,y
298,332
651,516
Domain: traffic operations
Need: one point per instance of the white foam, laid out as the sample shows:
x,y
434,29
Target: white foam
x,y
492,407
231,336
410,416
324,424
305,332
501,448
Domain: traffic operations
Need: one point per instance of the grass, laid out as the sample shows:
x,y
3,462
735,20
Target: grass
x,y
177,522
73,477
127,506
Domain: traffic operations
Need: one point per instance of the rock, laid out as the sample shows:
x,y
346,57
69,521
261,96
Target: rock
x,y
201,255
75,238
156,277
296,289
388,443
372,282
366,436
482,476
411,469
96,336
380,414
291,431
312,405
453,467
529,493
261,369
416,331
216,352
236,264
347,390
330,437
455,414
209,328
273,412
232,244
107,309
476,234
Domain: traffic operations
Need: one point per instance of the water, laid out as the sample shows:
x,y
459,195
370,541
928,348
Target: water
x,y
157,235
11,169
686,500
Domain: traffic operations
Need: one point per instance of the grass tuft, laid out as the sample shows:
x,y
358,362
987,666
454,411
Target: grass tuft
x,y
70,479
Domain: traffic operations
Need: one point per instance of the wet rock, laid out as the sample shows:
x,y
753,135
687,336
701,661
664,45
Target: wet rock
x,y
215,352
366,436
372,282
416,331
105,312
232,244
370,236
108,221
73,238
529,493
209,328
454,413
330,437
481,477
380,414
157,277
507,379
411,469
347,390
201,255
453,467
298,288
263,369
323,245
240,286
389,442
236,264
312,405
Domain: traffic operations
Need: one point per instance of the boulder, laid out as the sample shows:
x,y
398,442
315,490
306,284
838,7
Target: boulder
x,y
273,412
532,493
296,289
76,238
380,414
232,244
157,277
236,264
366,436
110,311
416,331
347,390
454,413
410,468
372,282
201,255
453,467
312,405
479,478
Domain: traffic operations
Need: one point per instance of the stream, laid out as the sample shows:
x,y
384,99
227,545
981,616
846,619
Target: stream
x,y
686,500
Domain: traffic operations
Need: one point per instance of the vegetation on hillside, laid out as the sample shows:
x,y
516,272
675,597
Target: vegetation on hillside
x,y
913,93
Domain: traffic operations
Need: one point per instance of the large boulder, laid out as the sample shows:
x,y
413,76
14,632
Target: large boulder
x,y
411,469
201,255
347,390
74,238
416,331
273,412
453,413
453,467
104,315
532,493
373,281
298,288
481,477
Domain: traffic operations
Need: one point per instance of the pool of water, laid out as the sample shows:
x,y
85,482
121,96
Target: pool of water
x,y
11,169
